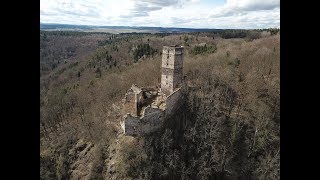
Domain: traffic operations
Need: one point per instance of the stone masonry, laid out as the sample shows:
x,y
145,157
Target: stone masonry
x,y
145,109
172,68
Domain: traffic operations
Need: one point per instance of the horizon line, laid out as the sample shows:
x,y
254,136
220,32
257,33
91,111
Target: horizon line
x,y
154,26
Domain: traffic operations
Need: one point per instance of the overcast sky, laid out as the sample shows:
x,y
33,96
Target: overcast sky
x,y
246,14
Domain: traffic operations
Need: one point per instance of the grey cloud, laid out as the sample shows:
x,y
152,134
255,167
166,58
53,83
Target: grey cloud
x,y
89,13
229,12
146,7
143,7
260,6
134,14
70,9
237,9
251,20
162,3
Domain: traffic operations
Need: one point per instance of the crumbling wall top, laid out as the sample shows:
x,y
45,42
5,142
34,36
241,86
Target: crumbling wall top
x,y
135,89
173,49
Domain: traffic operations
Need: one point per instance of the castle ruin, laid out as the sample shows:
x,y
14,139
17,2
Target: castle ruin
x,y
146,108
172,68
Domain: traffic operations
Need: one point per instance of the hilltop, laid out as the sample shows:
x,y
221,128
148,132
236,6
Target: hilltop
x,y
228,125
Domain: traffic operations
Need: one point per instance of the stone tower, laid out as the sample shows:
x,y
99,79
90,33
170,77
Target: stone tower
x,y
172,68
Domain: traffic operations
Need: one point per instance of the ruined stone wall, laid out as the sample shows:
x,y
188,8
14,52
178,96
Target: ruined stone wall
x,y
167,80
152,121
145,119
173,102
129,104
172,68
178,68
168,55
131,125
177,78
167,65
153,118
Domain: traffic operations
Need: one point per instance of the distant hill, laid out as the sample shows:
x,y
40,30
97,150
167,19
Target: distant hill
x,y
120,29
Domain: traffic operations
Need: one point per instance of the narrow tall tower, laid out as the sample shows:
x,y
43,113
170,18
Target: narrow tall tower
x,y
172,68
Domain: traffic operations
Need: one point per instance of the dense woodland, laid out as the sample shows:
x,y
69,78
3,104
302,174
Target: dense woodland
x,y
227,128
